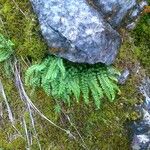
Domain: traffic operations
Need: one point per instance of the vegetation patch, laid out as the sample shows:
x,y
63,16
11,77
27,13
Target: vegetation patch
x,y
101,129
65,80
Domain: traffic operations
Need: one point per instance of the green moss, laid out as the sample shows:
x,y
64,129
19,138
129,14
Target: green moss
x,y
20,24
101,129
141,36
15,144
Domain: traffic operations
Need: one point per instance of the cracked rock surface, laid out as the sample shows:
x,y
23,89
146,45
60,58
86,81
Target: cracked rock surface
x,y
79,32
141,127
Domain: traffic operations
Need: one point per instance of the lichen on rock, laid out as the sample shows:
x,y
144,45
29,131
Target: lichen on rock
x,y
80,32
78,29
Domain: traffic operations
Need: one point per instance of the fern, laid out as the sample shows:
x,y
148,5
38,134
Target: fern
x,y
66,81
102,79
63,80
95,89
73,85
84,88
6,49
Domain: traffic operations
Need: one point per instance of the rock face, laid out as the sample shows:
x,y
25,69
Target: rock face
x,y
80,33
141,128
119,12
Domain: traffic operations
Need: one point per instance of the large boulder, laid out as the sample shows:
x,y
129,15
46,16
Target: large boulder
x,y
77,31
119,13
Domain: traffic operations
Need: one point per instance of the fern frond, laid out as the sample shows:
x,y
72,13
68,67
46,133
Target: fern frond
x,y
32,75
104,86
107,86
6,49
4,55
96,98
84,88
61,67
111,88
73,85
62,87
63,82
47,88
96,90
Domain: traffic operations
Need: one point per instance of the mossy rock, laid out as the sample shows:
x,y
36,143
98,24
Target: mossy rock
x,y
101,129
141,35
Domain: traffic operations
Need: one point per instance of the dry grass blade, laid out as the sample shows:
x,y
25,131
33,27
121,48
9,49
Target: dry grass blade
x,y
10,115
33,126
26,134
24,94
72,124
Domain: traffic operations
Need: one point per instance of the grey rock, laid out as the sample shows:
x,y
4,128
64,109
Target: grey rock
x,y
115,10
124,76
77,31
119,12
141,128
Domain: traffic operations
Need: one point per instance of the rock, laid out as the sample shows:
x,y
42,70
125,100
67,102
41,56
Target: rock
x,y
141,128
78,32
124,76
119,12
115,10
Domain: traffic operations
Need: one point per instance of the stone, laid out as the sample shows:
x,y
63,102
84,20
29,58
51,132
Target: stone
x,y
141,128
77,31
119,13
124,76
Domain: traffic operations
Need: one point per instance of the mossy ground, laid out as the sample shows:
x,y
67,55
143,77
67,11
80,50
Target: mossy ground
x,y
103,129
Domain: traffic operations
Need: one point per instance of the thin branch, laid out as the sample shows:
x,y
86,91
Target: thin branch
x,y
26,133
19,8
24,61
33,125
72,124
10,115
1,110
3,25
23,92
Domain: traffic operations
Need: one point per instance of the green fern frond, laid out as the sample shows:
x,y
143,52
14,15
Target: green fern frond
x,y
96,98
47,88
61,67
107,87
63,81
73,85
95,88
4,55
55,87
85,88
32,75
6,49
52,72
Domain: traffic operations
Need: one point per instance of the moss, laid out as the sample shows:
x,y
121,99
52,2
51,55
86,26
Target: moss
x,y
15,144
141,36
20,24
101,129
